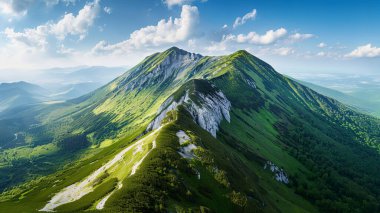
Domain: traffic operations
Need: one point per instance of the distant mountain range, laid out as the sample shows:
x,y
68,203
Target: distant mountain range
x,y
361,91
58,84
20,94
182,132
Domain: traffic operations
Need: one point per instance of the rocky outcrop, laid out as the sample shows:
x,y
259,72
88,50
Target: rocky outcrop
x,y
186,150
279,174
166,107
208,110
176,62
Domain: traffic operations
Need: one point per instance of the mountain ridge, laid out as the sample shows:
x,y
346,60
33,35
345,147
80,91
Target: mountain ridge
x,y
205,133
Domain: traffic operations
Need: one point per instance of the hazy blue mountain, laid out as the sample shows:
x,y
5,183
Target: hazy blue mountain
x,y
359,104
20,94
356,90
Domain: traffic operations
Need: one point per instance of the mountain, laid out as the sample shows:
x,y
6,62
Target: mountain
x,y
71,91
60,83
73,75
73,82
20,94
184,132
360,91
360,104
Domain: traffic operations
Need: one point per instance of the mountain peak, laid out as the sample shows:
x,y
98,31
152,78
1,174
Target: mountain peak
x,y
174,48
242,54
179,51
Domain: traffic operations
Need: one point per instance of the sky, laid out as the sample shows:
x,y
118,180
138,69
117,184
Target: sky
x,y
296,37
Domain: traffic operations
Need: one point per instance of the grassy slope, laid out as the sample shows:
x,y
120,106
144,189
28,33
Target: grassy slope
x,y
280,121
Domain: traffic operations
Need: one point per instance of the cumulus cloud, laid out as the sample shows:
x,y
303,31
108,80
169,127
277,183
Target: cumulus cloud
x,y
171,3
216,47
19,8
30,37
300,37
165,32
321,54
107,10
242,20
15,7
283,51
76,25
322,45
55,2
69,25
367,51
254,38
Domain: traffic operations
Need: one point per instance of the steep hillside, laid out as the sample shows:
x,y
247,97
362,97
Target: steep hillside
x,y
20,94
185,132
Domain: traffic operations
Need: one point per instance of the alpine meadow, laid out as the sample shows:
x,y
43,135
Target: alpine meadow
x,y
175,106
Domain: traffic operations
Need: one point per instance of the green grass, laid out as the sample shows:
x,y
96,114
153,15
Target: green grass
x,y
329,152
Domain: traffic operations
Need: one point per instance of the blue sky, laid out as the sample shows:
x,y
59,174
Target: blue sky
x,y
296,37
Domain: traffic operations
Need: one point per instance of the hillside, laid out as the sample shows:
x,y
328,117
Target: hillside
x,y
20,94
355,102
186,132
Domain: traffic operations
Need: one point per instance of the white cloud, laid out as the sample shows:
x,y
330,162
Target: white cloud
x,y
242,20
15,8
65,51
191,43
76,25
216,47
322,45
171,3
283,51
254,38
274,51
69,25
165,32
225,26
367,50
321,54
19,8
34,38
55,2
300,37
107,10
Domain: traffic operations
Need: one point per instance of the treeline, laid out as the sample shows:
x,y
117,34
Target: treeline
x,y
345,174
72,142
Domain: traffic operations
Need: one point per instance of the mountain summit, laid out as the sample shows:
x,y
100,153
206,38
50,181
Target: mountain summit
x,y
184,132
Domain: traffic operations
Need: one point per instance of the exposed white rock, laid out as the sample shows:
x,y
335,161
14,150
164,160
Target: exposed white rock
x,y
214,107
165,108
170,67
103,201
136,165
251,83
185,151
182,136
77,190
208,112
198,174
138,149
280,174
